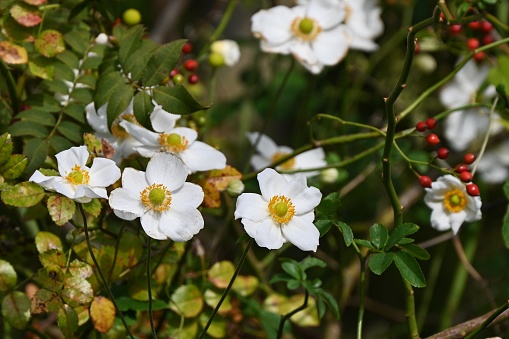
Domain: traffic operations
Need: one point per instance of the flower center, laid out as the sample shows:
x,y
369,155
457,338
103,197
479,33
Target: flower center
x,y
455,201
306,28
173,142
78,176
287,165
156,197
281,209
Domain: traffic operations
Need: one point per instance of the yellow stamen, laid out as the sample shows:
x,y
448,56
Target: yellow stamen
x,y
156,197
306,28
287,165
119,131
173,142
78,176
455,201
281,209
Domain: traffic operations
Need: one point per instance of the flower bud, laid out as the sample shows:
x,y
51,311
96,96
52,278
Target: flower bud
x,y
235,187
101,39
329,175
228,49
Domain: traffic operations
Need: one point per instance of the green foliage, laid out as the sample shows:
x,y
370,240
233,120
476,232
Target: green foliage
x,y
16,309
24,194
8,276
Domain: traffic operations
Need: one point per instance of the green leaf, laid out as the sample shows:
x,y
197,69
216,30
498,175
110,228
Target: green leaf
x,y
45,301
292,284
415,251
49,43
82,95
163,60
16,309
59,143
53,257
69,58
75,111
142,106
119,102
129,42
78,40
77,291
365,243
71,131
245,285
323,226
330,300
216,330
36,150
5,147
61,209
379,262
293,269
211,298
187,301
346,231
79,268
14,166
308,262
177,100
409,269
8,276
93,207
399,233
24,194
24,128
106,86
45,241
505,228
278,277
221,273
38,116
138,60
67,320
329,205
379,235
51,278
125,303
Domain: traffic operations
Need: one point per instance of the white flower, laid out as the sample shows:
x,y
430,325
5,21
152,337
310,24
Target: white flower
x,y
283,212
313,33
269,152
493,167
451,205
197,155
465,126
228,50
76,180
165,203
102,39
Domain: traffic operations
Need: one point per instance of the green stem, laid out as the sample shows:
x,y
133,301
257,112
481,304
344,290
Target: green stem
x,y
488,321
486,136
230,284
287,316
224,21
149,275
11,87
362,288
98,268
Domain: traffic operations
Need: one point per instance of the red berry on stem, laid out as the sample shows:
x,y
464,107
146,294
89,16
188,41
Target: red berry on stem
x,y
479,56
191,65
443,153
487,39
455,29
432,139
193,78
473,190
473,43
461,168
470,158
486,26
187,48
431,123
466,176
474,25
425,181
420,126
173,73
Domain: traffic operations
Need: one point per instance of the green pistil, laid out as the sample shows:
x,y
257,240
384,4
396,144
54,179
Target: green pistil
x,y
156,196
174,139
455,200
306,25
281,209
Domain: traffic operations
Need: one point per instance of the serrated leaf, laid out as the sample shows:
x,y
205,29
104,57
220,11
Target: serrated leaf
x,y
399,232
53,257
129,42
106,86
415,251
38,116
221,273
25,16
379,262
329,204
163,60
5,147
49,43
71,131
44,301
102,313
118,102
365,243
51,278
67,320
78,39
81,269
24,128
379,235
75,111
45,241
36,150
69,59
187,301
138,60
142,106
14,166
61,209
8,276
177,100
93,207
346,231
16,309
409,269
77,291
24,194
59,143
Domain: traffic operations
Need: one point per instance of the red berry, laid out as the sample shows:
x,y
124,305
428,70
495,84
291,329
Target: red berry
x,y
431,123
443,153
470,158
479,56
420,126
455,29
417,49
487,39
193,78
466,176
486,26
473,190
474,25
425,181
461,168
432,139
191,65
473,43
187,48
442,16
173,73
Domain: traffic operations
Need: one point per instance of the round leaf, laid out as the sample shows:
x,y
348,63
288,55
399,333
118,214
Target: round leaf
x,y
45,241
212,299
77,291
61,209
245,285
16,309
24,194
218,327
67,320
187,301
102,312
8,276
49,43
13,54
24,16
221,273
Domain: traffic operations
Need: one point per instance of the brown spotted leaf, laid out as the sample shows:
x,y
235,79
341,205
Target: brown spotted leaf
x,y
77,291
102,312
217,181
49,43
13,54
45,301
45,241
35,2
25,16
61,209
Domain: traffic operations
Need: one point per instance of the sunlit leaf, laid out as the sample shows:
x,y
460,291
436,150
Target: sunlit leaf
x,y
13,54
5,147
212,299
163,60
8,276
177,100
61,209
77,291
14,166
44,301
187,301
45,241
102,312
16,309
245,285
24,194
25,16
217,328
67,320
93,207
53,257
221,273
80,269
49,43
40,70
280,304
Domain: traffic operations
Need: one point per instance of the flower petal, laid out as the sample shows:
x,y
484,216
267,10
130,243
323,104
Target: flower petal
x,y
271,183
188,195
274,24
302,233
202,157
134,181
42,180
161,120
167,169
181,223
331,46
266,146
126,201
69,158
251,206
266,233
104,172
150,222
327,13
97,119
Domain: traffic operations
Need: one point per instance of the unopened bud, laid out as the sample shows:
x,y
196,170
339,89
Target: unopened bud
x,y
329,175
235,187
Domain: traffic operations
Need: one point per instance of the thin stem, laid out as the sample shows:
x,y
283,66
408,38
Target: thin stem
x,y
287,316
224,21
98,268
149,275
488,321
362,287
230,284
11,86
486,136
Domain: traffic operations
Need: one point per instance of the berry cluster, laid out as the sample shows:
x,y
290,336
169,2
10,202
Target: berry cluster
x,y
190,66
461,170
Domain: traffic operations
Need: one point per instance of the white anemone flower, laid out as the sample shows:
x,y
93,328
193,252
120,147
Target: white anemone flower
x,y
166,204
465,126
270,152
493,166
283,212
451,205
313,33
197,155
227,50
76,180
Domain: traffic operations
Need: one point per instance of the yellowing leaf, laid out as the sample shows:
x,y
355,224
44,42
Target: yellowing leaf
x,y
245,285
67,320
212,299
45,301
13,54
61,209
24,194
280,304
221,273
217,181
16,309
49,43
14,166
8,276
24,16
102,312
187,301
45,241
77,291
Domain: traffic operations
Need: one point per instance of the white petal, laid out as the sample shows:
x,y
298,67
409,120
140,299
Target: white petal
x,y
167,169
69,158
462,127
143,135
331,46
266,233
251,206
307,200
271,183
104,172
134,181
189,133
440,219
161,120
124,200
259,162
42,180
273,25
97,119
302,234
202,157
181,223
303,52
266,146
453,95
150,222
189,195
93,192
62,186
328,14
